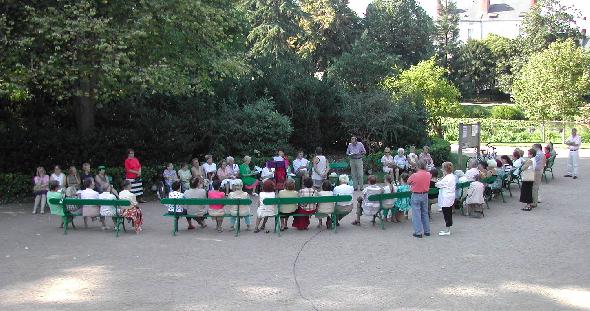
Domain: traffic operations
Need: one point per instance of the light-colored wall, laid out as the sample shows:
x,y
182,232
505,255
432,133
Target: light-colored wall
x,y
481,29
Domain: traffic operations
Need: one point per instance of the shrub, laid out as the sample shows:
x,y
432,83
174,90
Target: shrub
x,y
440,150
14,187
476,111
507,113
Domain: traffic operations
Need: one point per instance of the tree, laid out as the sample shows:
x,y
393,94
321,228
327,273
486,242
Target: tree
x,y
474,70
551,85
382,120
504,51
330,29
446,35
546,22
402,28
274,29
427,80
364,67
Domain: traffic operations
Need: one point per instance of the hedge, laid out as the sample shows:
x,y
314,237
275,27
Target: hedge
x,y
514,131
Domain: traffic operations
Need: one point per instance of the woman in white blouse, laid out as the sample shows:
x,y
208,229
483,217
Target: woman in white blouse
x,y
446,196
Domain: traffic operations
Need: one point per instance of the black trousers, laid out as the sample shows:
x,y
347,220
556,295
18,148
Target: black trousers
x,y
448,214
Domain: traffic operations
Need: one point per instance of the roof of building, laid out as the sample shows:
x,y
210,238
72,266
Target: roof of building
x,y
498,9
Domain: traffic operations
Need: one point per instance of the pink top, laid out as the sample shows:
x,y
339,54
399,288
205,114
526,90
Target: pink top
x,y
41,181
420,181
131,164
214,194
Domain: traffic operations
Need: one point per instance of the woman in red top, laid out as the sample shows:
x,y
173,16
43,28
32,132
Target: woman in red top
x,y
133,175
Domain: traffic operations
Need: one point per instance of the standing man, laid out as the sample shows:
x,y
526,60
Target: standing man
x,y
356,151
419,185
574,143
540,161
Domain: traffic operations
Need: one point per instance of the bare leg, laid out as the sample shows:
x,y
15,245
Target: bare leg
x,y
85,221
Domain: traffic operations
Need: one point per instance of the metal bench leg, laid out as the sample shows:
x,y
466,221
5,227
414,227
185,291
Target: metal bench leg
x,y
175,225
277,224
66,220
237,226
334,221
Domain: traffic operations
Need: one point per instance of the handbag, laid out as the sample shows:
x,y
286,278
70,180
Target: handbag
x,y
528,174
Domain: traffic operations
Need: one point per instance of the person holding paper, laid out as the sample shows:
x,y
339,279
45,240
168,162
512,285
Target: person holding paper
x,y
356,151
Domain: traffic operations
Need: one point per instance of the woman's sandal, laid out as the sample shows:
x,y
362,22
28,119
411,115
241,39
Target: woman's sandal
x,y
527,209
356,223
256,230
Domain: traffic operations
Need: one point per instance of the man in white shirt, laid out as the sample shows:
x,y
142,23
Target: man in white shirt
x,y
300,165
574,143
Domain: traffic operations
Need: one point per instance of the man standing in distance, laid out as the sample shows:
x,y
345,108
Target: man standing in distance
x,y
574,143
356,151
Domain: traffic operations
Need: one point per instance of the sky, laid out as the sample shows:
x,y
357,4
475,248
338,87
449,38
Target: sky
x,y
359,6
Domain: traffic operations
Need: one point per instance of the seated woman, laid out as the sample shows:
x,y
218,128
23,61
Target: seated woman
x,y
412,159
387,162
108,210
223,173
55,192
401,163
231,172
265,211
176,193
402,205
366,207
388,204
209,171
132,213
484,171
102,181
474,199
73,179
216,210
288,192
302,222
325,209
170,176
506,163
425,155
499,172
517,161
238,193
247,176
185,176
343,208
196,191
547,152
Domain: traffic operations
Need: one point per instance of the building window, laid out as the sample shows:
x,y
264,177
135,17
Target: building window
x,y
469,34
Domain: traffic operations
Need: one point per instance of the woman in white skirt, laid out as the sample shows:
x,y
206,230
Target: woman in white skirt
x,y
265,211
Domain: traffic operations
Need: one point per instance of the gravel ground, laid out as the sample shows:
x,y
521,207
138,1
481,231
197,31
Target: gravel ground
x,y
510,260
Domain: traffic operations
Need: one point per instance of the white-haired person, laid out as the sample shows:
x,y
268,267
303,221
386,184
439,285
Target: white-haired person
x,y
343,188
244,210
247,176
427,158
287,209
401,163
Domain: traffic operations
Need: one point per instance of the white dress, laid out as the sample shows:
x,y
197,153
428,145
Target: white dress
x,y
106,210
266,210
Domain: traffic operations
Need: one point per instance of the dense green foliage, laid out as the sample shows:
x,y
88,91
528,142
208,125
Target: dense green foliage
x,y
551,85
427,80
511,131
475,111
507,113
440,150
446,35
474,70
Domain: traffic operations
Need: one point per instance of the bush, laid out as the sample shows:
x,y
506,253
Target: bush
x,y
507,113
14,187
476,111
440,150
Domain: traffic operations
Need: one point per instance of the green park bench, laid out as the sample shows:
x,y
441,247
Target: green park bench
x,y
549,168
384,197
68,216
184,202
307,200
488,181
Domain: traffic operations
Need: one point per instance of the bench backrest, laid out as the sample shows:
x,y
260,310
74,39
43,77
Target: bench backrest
x,y
307,200
489,180
206,201
339,165
73,201
389,196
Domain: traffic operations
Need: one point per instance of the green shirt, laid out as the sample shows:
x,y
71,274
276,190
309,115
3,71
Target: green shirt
x,y
55,209
244,172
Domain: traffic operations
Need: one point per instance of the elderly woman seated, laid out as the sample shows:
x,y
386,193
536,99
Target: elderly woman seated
x,y
343,208
366,207
401,163
244,210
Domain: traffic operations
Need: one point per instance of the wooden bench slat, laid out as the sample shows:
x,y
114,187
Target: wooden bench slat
x,y
72,201
306,200
206,201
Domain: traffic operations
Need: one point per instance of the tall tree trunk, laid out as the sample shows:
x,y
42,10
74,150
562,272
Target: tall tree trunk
x,y
85,107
